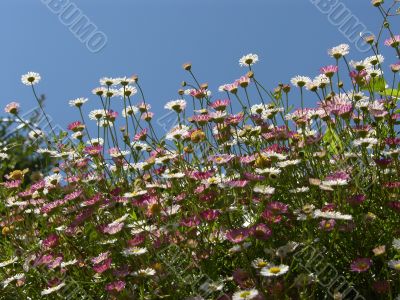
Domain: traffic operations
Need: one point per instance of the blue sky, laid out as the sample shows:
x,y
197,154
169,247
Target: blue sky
x,y
153,38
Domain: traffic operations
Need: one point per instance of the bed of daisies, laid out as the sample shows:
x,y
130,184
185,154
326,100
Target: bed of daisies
x,y
250,195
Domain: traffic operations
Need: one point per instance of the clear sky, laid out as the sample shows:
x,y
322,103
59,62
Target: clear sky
x,y
153,38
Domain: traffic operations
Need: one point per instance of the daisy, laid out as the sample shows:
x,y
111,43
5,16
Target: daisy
x,y
95,142
144,272
359,65
339,51
393,41
274,271
394,264
177,132
264,189
331,215
360,265
30,78
245,295
107,81
78,102
286,163
101,257
99,91
259,263
34,134
97,114
117,153
300,81
272,171
52,289
375,59
223,88
6,282
374,72
395,67
117,286
124,80
129,111
8,262
220,104
53,179
248,60
329,71
139,146
12,108
327,225
134,251
112,93
176,105
143,107
68,263
365,142
127,91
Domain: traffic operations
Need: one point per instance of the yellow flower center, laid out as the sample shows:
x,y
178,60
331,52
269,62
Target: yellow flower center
x,y
262,264
244,294
275,270
397,267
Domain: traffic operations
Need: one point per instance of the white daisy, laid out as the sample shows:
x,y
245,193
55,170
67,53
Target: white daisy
x,y
95,142
286,163
339,51
259,263
177,132
272,171
53,179
248,60
144,272
135,193
366,142
374,60
34,134
134,251
8,262
78,102
139,146
30,78
108,81
274,271
124,80
300,81
176,105
129,111
68,263
99,91
6,282
127,91
331,215
245,295
97,114
264,189
52,289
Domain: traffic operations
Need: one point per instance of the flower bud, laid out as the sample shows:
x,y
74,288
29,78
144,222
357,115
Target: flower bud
x,y
187,66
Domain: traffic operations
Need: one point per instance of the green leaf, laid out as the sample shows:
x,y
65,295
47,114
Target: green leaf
x,y
376,85
393,92
133,216
332,140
